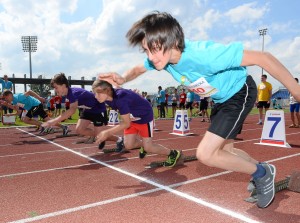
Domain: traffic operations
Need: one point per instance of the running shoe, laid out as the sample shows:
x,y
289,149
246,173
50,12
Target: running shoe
x,y
43,130
65,130
142,153
265,186
172,158
120,146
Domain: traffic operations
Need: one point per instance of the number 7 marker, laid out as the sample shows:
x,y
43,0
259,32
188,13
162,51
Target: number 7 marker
x,y
273,133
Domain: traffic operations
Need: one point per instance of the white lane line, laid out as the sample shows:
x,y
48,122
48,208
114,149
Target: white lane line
x,y
220,209
47,170
34,153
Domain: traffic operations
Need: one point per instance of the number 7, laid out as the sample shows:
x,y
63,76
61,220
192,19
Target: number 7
x,y
276,120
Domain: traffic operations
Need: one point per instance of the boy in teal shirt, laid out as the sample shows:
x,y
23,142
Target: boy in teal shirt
x,y
210,70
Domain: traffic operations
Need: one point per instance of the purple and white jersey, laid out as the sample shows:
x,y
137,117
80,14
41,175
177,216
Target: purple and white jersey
x,y
86,100
129,102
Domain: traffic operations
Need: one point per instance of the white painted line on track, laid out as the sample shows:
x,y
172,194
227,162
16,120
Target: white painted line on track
x,y
26,154
212,206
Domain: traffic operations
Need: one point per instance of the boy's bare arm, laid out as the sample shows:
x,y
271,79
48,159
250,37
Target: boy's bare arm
x,y
33,94
269,63
117,80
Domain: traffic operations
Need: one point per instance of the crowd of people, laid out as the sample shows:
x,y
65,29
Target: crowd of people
x,y
211,70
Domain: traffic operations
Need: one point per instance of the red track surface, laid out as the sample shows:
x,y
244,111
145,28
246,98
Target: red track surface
x,y
55,180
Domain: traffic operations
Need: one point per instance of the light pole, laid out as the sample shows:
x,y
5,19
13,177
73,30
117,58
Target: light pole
x,y
29,45
263,32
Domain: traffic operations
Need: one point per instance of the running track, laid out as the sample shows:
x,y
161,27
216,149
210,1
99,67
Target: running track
x,y
48,179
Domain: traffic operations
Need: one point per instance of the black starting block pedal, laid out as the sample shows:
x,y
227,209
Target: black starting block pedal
x,y
291,183
181,160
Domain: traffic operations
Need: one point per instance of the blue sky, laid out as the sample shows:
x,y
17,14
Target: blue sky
x,y
87,37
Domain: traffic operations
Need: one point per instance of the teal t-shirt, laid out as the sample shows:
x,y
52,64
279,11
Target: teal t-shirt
x,y
190,96
218,64
26,102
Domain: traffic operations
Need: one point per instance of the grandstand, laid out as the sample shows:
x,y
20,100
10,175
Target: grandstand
x,y
280,98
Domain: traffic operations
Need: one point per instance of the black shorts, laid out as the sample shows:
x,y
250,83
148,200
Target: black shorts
x,y
97,119
174,104
189,105
58,106
203,105
51,109
227,118
263,104
37,111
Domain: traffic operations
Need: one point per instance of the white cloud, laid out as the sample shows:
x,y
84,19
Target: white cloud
x,y
247,12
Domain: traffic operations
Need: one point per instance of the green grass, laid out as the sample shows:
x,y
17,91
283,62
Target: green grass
x,y
75,117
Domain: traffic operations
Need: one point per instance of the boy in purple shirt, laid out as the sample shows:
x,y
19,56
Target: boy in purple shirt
x,y
91,109
137,116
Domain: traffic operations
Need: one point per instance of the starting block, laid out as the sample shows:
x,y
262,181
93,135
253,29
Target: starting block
x,y
291,183
181,125
8,119
273,133
113,118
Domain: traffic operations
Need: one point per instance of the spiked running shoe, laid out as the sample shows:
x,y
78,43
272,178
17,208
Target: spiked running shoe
x,y
120,146
142,153
65,130
265,186
172,158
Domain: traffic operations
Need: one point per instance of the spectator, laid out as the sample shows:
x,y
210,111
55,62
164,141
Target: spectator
x,y
50,104
175,99
264,94
182,99
58,100
166,101
190,96
203,108
161,101
294,109
6,85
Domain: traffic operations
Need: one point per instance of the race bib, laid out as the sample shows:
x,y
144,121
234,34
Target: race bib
x,y
202,88
20,105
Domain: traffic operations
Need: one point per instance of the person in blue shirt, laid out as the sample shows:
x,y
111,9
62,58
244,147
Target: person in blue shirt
x,y
161,101
210,70
33,104
190,97
6,85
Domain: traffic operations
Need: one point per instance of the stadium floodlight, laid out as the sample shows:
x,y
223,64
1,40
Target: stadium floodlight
x,y
263,32
29,45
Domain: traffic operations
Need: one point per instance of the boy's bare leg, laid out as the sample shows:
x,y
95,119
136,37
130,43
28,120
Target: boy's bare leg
x,y
211,152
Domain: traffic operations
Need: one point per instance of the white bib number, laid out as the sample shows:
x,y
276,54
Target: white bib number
x,y
202,88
